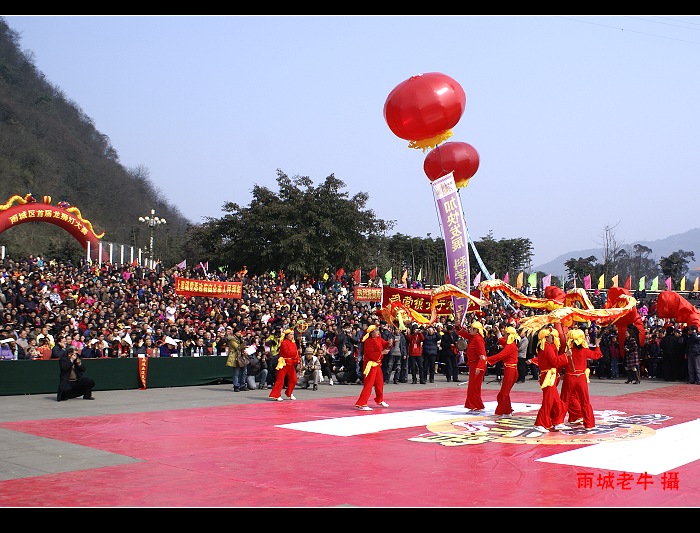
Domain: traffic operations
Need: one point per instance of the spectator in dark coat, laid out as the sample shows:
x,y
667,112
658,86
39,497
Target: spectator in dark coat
x,y
72,379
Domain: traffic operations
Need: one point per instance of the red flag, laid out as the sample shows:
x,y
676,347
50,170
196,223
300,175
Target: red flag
x,y
339,273
373,273
357,276
628,283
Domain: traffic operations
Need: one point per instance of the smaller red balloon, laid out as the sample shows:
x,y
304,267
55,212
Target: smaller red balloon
x,y
460,158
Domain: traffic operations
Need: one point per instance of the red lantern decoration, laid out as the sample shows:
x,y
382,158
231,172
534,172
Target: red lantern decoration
x,y
424,108
460,158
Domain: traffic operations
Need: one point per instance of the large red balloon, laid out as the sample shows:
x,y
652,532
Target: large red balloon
x,y
424,108
460,158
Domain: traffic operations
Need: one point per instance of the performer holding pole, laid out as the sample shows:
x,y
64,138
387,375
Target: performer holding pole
x,y
289,360
509,356
552,411
576,375
476,359
374,347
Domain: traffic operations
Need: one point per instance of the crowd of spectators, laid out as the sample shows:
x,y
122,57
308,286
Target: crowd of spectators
x,y
127,310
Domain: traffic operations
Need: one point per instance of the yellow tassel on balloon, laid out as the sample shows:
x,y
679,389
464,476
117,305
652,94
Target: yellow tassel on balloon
x,y
432,142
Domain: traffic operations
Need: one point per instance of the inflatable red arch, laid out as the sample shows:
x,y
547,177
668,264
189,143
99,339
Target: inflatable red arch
x,y
20,209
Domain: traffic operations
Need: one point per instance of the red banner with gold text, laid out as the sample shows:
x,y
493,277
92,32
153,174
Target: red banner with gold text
x,y
416,299
203,287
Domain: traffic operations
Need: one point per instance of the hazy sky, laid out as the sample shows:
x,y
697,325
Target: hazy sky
x,y
581,122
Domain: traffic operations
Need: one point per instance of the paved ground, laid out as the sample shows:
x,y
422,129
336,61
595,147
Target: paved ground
x,y
45,406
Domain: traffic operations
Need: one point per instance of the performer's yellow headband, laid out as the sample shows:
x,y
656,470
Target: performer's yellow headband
x,y
577,337
369,330
478,326
511,335
542,337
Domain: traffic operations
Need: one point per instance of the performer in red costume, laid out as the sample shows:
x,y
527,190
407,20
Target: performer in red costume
x,y
476,359
552,411
576,375
287,364
374,349
509,356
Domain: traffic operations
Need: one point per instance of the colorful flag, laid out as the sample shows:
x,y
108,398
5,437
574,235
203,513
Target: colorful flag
x,y
505,278
696,286
405,276
532,280
388,275
420,275
203,266
614,280
519,281
654,284
628,283
682,284
373,273
339,273
325,276
642,282
272,273
477,279
587,282
547,280
182,265
357,275
668,283
601,281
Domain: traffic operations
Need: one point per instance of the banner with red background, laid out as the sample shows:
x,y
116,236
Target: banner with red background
x,y
367,294
203,287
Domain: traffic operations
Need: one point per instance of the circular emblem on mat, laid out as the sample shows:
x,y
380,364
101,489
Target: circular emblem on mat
x,y
519,429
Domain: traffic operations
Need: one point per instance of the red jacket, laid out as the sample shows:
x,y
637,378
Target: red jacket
x,y
415,344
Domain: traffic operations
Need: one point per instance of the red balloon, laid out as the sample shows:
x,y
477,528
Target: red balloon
x,y
460,158
423,109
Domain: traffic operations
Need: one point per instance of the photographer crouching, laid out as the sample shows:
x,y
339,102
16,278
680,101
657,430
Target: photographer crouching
x,y
72,381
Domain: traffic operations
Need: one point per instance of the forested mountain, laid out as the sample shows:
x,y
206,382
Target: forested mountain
x,y
50,147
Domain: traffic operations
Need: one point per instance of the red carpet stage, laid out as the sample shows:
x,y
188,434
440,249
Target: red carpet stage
x,y
423,451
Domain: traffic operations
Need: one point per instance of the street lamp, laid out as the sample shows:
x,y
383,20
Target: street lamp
x,y
152,222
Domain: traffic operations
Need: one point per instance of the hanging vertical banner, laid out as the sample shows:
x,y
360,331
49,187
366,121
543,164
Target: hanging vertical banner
x,y
143,371
456,240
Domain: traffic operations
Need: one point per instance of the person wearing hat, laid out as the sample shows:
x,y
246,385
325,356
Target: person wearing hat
x,y
288,362
574,389
89,351
72,379
311,369
43,348
7,352
374,349
509,355
550,362
476,359
168,347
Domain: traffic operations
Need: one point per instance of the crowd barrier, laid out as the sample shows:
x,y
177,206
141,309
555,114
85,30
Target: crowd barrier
x,y
41,377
